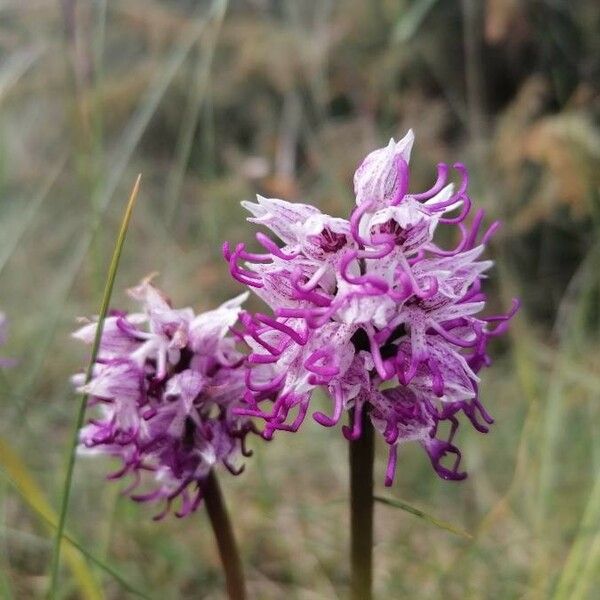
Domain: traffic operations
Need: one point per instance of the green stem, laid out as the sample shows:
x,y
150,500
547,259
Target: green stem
x,y
228,550
362,453
110,281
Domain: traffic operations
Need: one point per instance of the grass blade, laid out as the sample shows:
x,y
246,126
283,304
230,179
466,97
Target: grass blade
x,y
105,567
6,590
19,476
575,562
589,572
19,229
110,280
139,122
411,21
189,120
413,510
126,146
15,66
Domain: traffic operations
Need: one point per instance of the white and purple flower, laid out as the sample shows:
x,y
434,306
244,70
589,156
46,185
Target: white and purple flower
x,y
372,310
165,385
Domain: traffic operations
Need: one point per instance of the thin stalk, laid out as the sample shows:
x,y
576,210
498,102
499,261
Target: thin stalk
x,y
110,280
228,550
197,98
472,27
362,454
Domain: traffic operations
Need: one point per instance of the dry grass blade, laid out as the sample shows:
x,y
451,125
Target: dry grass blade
x,y
22,480
110,280
413,510
19,475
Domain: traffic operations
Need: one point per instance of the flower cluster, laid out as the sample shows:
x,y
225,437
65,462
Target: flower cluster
x,y
372,310
166,383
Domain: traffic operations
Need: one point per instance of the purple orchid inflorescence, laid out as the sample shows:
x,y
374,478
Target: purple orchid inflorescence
x,y
372,310
165,384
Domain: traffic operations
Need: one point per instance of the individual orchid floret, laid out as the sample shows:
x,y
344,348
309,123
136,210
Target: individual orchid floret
x,y
372,310
165,386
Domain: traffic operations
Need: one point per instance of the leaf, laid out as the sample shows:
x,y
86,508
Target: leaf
x,y
409,24
110,281
582,550
125,147
19,475
21,479
19,228
413,510
189,121
15,66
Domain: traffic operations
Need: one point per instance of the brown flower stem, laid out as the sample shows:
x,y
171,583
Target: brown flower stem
x,y
362,453
228,550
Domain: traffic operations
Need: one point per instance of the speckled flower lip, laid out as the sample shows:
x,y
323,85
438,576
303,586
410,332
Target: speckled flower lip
x,y
373,310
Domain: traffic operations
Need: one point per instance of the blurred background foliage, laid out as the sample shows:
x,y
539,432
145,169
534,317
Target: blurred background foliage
x,y
216,101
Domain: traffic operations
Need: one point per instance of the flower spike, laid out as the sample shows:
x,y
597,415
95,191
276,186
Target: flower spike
x,y
372,310
166,385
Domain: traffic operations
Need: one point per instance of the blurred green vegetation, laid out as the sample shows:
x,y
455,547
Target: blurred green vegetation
x,y
214,102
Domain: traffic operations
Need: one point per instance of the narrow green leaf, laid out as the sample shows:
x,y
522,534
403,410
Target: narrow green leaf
x,y
15,66
589,572
126,145
413,510
106,568
139,122
191,113
18,229
580,549
19,476
110,280
21,479
408,25
6,590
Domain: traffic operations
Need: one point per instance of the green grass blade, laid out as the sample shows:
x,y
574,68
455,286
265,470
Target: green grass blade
x,y
106,568
189,120
579,553
139,122
408,25
589,573
20,478
126,146
15,66
19,229
5,589
110,280
5,578
417,512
